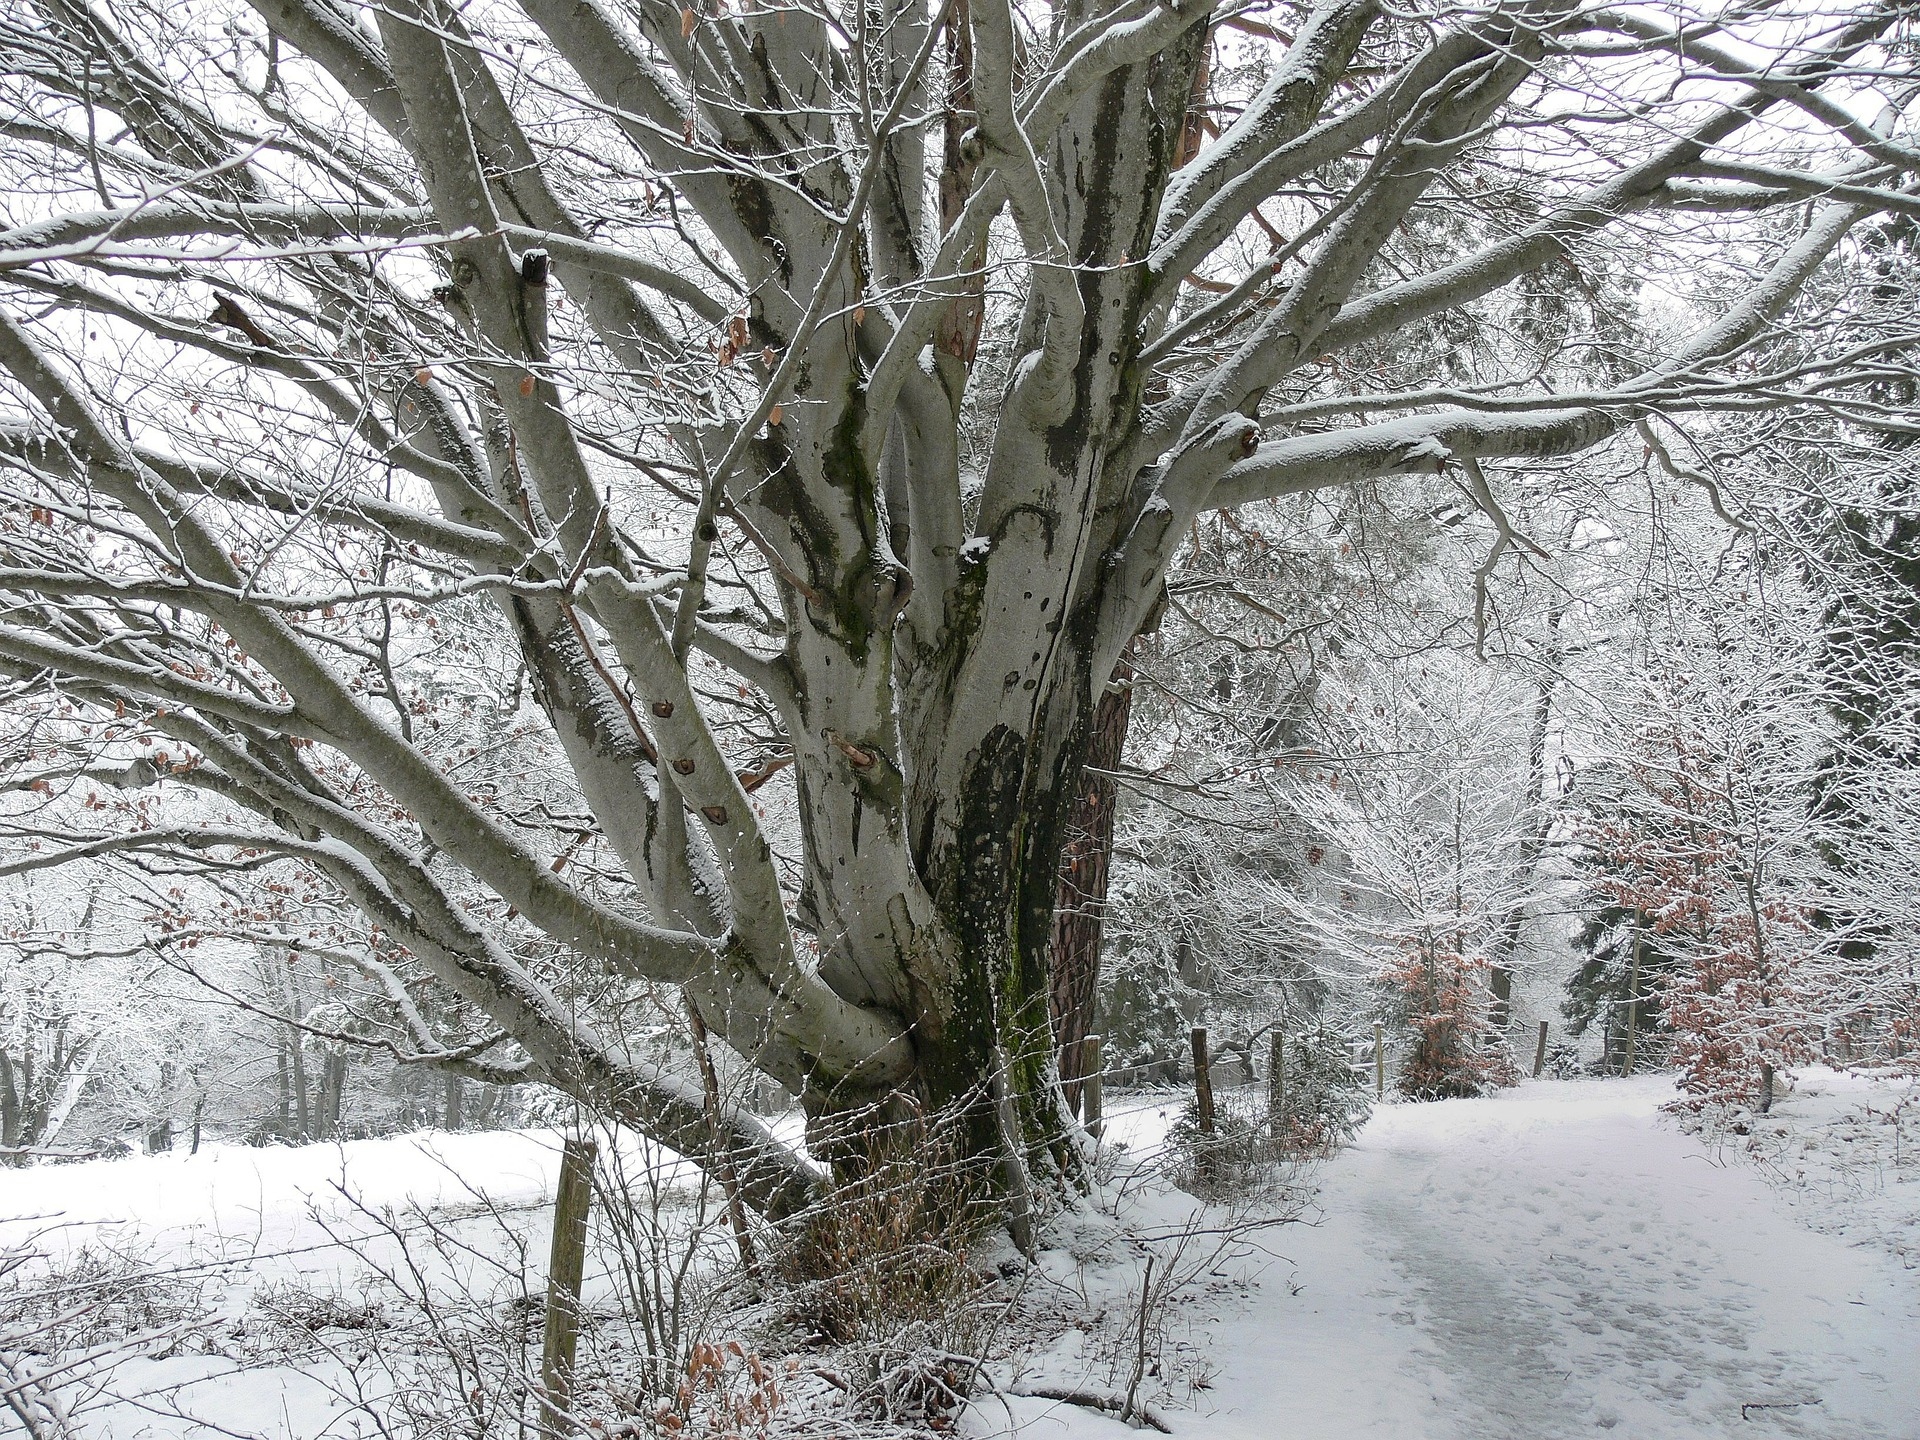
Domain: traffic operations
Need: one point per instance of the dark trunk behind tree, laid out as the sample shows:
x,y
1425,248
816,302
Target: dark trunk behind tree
x,y
1079,922
284,1080
293,1049
9,1103
333,1083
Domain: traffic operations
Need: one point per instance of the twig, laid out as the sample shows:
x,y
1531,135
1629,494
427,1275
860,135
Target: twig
x,y
1128,1410
1093,1400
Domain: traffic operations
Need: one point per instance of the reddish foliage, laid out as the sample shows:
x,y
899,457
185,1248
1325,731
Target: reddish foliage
x,y
1693,864
1443,998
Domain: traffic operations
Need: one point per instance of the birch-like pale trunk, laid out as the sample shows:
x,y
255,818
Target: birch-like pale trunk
x,y
797,314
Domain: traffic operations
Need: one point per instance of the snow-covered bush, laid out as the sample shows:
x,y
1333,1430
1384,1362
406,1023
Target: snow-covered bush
x,y
67,1321
1242,1162
1319,1099
1437,994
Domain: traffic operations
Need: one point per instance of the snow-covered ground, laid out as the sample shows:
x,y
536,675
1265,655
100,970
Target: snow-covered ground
x,y
204,1243
1844,1151
243,1259
1561,1260
1566,1260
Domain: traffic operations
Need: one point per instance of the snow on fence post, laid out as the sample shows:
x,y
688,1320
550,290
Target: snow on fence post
x,y
1379,1061
1202,1081
565,1267
1540,1051
1277,1084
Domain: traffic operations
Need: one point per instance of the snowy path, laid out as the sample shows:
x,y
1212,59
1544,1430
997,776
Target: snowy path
x,y
1555,1262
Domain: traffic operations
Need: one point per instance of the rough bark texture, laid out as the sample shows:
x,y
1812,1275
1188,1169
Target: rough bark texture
x,y
1079,921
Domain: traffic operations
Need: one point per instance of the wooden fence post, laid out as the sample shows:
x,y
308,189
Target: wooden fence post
x,y
1540,1050
565,1267
1277,1084
1205,1159
1379,1061
1202,1081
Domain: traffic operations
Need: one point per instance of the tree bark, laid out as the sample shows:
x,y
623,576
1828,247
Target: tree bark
x,y
1538,817
9,1103
1277,1083
1079,921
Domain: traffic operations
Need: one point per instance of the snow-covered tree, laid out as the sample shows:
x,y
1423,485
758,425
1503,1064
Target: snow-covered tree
x,y
628,495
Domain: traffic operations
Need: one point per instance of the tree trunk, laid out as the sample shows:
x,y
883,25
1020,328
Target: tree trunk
x,y
333,1083
715,1107
302,1099
9,1103
1533,839
1633,991
1277,1084
1079,921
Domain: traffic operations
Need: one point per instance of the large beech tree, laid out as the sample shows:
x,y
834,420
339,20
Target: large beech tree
x,y
878,353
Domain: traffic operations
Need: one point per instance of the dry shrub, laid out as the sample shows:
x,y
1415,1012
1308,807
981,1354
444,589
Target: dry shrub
x,y
887,1247
92,1297
305,1311
729,1393
879,1269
